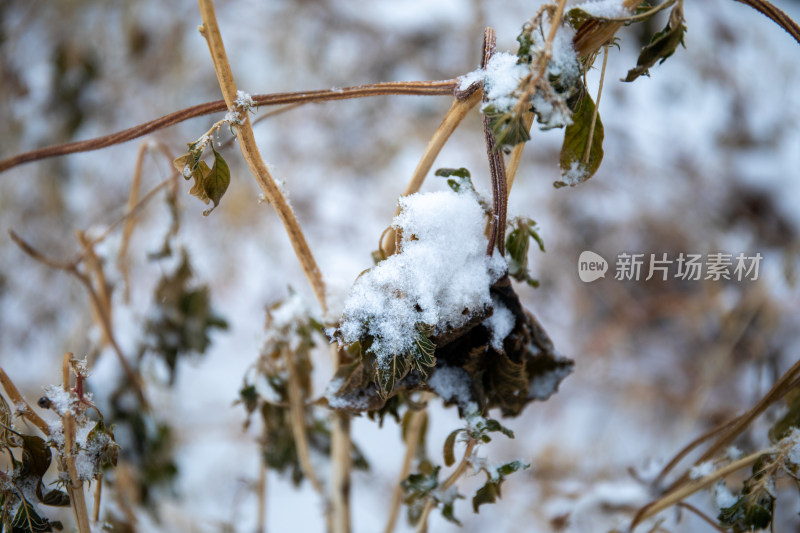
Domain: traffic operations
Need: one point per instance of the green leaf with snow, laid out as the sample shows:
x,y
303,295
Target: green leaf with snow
x,y
582,151
490,491
216,181
662,45
517,246
459,179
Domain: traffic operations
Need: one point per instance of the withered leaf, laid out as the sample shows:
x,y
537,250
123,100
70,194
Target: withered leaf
x,y
575,167
662,45
216,182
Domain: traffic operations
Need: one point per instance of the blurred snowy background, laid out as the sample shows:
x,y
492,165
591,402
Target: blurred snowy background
x,y
699,158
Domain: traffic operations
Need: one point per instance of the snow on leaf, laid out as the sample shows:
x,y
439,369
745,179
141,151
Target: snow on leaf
x,y
575,167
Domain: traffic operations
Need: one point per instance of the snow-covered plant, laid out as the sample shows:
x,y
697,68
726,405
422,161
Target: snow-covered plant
x,y
83,448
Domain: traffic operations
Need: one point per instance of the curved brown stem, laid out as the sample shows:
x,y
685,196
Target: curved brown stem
x,y
421,88
775,15
497,168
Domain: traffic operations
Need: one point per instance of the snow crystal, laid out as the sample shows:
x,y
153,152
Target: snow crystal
x,y
733,453
233,117
576,174
604,8
451,384
476,76
501,80
723,497
244,100
701,470
794,454
545,385
440,279
61,401
500,323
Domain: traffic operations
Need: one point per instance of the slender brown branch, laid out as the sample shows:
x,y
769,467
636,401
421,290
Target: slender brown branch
x,y
20,405
97,306
691,446
683,492
786,383
411,443
130,221
497,168
422,525
775,15
247,142
75,485
516,154
596,107
419,88
297,415
702,515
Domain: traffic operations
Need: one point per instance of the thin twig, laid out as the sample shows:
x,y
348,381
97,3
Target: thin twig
x,y
419,88
516,154
702,515
596,107
683,492
75,485
130,222
782,387
97,306
261,492
641,16
497,169
21,407
298,418
411,443
776,15
451,120
247,143
422,525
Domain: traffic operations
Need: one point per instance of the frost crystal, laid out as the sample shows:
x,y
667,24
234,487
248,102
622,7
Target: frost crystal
x,y
576,174
233,117
723,497
604,8
701,470
794,453
440,280
244,100
501,323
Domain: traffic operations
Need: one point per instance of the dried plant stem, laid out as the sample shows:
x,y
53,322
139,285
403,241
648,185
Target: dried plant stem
x,y
683,492
411,444
340,473
247,142
298,417
451,121
261,492
130,221
596,107
20,405
97,308
98,493
419,88
75,485
776,15
516,154
497,168
707,519
786,383
422,526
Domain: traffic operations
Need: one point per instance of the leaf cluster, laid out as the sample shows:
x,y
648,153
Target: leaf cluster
x,y
183,319
23,489
267,393
210,183
518,239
